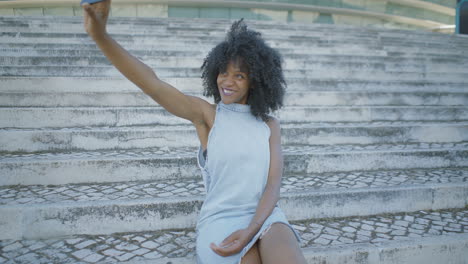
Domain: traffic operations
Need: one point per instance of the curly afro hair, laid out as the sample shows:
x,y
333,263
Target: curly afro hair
x,y
262,63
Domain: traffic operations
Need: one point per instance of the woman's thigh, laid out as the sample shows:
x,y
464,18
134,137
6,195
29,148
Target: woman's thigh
x,y
252,256
279,245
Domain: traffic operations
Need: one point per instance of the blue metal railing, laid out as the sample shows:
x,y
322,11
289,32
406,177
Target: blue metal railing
x,y
462,17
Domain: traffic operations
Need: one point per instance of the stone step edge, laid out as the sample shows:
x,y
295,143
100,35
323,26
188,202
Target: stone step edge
x,y
193,186
218,26
155,61
431,249
221,24
181,242
287,52
196,70
420,250
141,215
282,45
186,126
110,71
290,194
51,80
333,98
158,107
296,56
176,21
170,153
383,46
125,31
278,32
33,171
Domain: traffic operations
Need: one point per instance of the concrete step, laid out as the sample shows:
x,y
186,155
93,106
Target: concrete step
x,y
170,163
215,24
216,35
324,73
278,36
419,50
275,32
426,43
191,58
190,26
40,194
55,85
218,25
64,117
388,85
42,212
202,50
207,29
421,53
276,40
413,65
419,35
158,136
177,46
324,47
152,24
171,24
136,98
349,51
90,52
414,237
197,44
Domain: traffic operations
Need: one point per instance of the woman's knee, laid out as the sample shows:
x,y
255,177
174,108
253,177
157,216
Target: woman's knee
x,y
279,233
279,245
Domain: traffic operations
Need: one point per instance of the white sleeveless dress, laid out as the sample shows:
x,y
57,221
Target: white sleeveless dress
x,y
235,174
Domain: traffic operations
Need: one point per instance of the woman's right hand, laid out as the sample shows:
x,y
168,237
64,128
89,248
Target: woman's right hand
x,y
197,110
95,18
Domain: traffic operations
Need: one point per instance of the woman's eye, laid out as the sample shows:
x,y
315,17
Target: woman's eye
x,y
240,76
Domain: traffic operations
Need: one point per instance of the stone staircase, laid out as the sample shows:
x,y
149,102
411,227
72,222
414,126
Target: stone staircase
x,y
374,131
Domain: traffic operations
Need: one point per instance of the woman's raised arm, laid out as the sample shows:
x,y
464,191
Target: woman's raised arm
x,y
174,101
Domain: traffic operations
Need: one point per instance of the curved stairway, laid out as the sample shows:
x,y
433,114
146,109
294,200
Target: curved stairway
x,y
374,131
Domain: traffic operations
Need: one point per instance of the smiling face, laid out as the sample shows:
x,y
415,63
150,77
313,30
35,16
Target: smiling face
x,y
233,83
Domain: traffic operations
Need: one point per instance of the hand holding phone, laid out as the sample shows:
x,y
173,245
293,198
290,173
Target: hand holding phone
x,y
90,1
95,17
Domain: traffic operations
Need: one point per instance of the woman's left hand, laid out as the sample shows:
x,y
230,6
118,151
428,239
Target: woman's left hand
x,y
233,244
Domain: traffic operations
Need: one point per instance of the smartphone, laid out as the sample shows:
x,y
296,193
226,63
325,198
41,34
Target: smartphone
x,y
90,1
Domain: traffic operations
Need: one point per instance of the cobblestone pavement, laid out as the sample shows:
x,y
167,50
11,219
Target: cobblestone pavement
x,y
190,152
180,243
38,194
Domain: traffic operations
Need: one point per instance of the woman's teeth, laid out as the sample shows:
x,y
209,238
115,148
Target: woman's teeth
x,y
227,92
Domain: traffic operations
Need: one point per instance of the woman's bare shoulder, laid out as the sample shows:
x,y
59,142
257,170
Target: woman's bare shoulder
x,y
273,122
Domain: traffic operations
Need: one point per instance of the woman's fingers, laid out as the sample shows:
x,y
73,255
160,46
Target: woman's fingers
x,y
229,246
232,244
228,240
89,10
95,18
227,250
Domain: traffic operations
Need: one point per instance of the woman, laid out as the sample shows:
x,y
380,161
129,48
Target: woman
x,y
240,153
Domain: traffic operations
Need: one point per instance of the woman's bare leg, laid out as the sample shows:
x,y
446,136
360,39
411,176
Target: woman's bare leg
x,y
252,256
279,245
